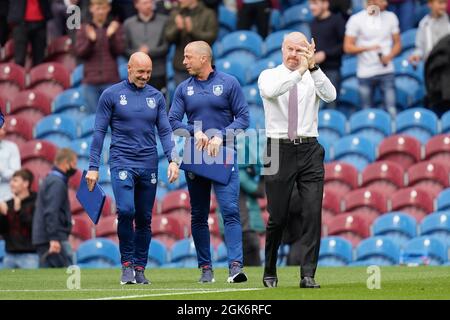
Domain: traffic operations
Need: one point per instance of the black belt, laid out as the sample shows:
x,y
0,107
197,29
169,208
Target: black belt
x,y
295,141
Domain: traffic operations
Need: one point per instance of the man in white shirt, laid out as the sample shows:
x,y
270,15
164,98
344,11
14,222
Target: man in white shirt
x,y
291,95
9,163
374,36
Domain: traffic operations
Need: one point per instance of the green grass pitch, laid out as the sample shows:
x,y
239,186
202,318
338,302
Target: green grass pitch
x,y
172,284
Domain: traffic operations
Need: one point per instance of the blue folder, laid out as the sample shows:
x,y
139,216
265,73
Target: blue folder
x,y
92,201
217,168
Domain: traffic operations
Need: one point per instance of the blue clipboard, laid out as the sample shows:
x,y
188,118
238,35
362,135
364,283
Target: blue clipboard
x,y
217,168
92,202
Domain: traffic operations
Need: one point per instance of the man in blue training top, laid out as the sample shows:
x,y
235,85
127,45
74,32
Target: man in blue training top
x,y
133,109
215,100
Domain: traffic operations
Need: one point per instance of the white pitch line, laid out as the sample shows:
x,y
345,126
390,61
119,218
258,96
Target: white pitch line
x,y
175,294
87,290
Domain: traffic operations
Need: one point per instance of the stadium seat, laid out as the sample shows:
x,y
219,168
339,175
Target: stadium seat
x,y
31,104
12,80
420,123
227,19
340,177
348,98
331,202
274,41
348,68
414,201
356,150
257,118
87,126
404,69
184,254
401,149
49,78
167,225
242,43
4,106
399,226
438,149
259,66
71,103
335,252
443,200
100,251
445,122
81,230
425,250
379,250
327,145
275,22
332,125
60,50
18,129
75,206
437,225
350,227
408,39
374,124
252,96
77,76
233,67
296,15
74,181
157,254
384,176
82,148
42,150
429,175
59,129
372,201
175,200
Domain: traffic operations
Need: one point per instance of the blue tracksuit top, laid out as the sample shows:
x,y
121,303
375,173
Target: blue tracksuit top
x,y
132,113
217,102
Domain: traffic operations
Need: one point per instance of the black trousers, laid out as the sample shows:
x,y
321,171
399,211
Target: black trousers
x,y
255,13
301,164
34,32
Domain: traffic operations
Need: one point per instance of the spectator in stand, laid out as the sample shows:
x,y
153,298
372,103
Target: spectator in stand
x,y
9,162
191,21
404,9
374,36
57,26
29,19
328,30
16,216
344,7
52,221
432,28
98,44
145,32
255,12
122,9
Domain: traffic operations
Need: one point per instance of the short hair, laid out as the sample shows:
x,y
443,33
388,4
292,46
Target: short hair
x,y
64,154
26,175
99,2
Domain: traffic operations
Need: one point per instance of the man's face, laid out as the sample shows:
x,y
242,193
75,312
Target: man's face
x,y
438,7
144,7
140,73
18,185
317,7
100,11
193,61
291,53
185,3
382,4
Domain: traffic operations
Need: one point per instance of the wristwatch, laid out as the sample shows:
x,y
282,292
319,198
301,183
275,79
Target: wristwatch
x,y
316,67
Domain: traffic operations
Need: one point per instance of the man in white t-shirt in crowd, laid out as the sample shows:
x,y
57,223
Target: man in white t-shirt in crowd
x,y
9,163
374,36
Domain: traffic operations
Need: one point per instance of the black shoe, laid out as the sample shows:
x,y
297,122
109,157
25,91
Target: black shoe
x,y
270,282
308,282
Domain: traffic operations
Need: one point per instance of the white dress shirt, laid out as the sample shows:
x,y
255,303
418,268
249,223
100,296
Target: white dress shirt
x,y
9,163
274,85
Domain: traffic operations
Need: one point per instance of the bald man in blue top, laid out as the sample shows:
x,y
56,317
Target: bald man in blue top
x,y
134,110
214,100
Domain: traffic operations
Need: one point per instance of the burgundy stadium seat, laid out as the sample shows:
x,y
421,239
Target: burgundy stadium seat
x,y
341,177
81,230
438,149
60,50
402,149
168,225
12,80
74,181
383,176
350,227
368,198
75,206
3,105
213,224
331,202
174,200
18,129
32,104
429,175
38,149
106,227
50,78
39,170
414,201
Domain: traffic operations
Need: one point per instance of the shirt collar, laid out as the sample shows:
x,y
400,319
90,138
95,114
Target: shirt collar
x,y
132,86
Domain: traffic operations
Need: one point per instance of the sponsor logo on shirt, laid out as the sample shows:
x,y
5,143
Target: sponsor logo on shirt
x,y
218,89
190,90
153,181
123,175
151,103
123,100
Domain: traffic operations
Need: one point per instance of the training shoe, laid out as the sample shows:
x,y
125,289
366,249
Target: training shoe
x,y
207,275
127,274
140,276
236,274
